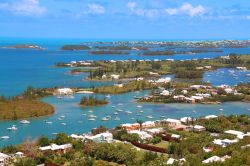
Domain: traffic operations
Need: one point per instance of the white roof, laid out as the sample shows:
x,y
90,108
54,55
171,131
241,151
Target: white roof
x,y
199,127
211,159
171,161
173,120
55,147
210,116
234,132
155,130
19,153
3,156
175,136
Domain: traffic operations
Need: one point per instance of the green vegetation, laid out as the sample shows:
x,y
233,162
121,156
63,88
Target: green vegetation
x,y
92,101
75,47
128,87
26,105
108,52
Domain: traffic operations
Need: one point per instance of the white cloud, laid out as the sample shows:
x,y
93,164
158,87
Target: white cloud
x,y
150,13
95,9
24,7
248,17
188,9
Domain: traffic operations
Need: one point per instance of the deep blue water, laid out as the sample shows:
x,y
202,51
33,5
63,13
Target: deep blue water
x,y
22,68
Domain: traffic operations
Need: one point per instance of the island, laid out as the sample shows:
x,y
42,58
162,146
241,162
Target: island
x,y
25,46
108,52
26,105
75,47
92,101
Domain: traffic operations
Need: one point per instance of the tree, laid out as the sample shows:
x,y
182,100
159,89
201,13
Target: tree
x,y
43,141
156,140
62,138
140,122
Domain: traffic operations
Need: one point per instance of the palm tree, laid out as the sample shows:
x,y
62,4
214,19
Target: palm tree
x,y
140,122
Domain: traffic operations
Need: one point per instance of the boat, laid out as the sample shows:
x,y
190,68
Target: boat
x,y
62,116
105,119
119,110
138,114
5,137
64,124
128,112
84,114
120,104
117,119
108,116
221,109
139,106
59,97
92,119
13,128
108,96
149,117
162,116
90,111
92,116
48,122
141,111
113,106
116,113
25,122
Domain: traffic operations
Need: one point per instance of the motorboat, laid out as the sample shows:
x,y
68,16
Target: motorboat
x,y
105,119
149,117
116,113
91,119
13,128
117,119
25,122
49,122
139,106
64,124
128,112
92,116
5,137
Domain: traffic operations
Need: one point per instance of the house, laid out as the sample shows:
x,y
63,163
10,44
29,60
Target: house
x,y
186,119
184,91
155,130
56,148
153,74
4,159
239,134
118,85
128,126
114,76
163,80
224,142
179,97
64,91
205,95
104,76
215,159
165,93
229,90
172,160
140,79
148,124
173,122
19,154
142,134
102,137
207,149
79,137
190,100
211,116
199,128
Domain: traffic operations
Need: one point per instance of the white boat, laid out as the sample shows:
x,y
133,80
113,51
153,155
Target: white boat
x,y
84,114
62,116
108,116
221,109
120,104
5,137
91,119
162,116
128,112
25,122
116,113
119,110
141,111
92,116
13,128
105,119
113,106
108,96
64,124
59,97
48,122
139,106
90,111
149,117
117,119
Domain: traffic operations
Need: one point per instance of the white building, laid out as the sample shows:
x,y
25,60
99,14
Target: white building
x,y
155,130
172,160
102,137
142,134
199,128
115,76
57,148
4,159
64,91
215,159
173,122
211,116
148,124
224,142
165,93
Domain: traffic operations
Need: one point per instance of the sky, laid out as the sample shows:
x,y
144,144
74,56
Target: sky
x,y
125,19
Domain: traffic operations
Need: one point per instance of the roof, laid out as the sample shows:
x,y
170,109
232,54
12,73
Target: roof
x,y
172,120
210,116
211,159
3,156
234,132
199,127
